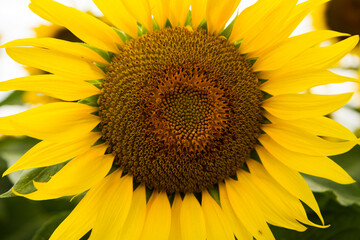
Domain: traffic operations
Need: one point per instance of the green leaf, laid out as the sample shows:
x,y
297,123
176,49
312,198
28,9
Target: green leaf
x,y
104,54
226,32
14,98
188,20
49,226
12,148
124,37
25,183
345,194
344,221
91,101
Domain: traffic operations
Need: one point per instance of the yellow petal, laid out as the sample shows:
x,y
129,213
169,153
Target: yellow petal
x,y
8,128
302,82
287,50
114,208
314,59
158,217
317,166
198,12
56,62
245,208
44,122
217,225
300,12
141,11
62,46
289,179
83,217
251,21
175,232
53,86
86,27
135,221
218,13
320,126
281,31
281,200
117,14
296,106
298,140
237,226
276,211
160,10
47,153
79,174
269,28
178,9
192,219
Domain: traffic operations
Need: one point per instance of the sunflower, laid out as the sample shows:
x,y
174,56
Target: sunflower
x,y
178,126
339,15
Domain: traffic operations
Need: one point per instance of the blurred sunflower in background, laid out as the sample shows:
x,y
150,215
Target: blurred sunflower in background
x,y
178,126
339,15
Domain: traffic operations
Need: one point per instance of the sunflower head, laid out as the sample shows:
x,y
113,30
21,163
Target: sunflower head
x,y
168,104
178,125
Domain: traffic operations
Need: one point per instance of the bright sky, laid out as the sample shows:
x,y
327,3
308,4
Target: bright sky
x,y
17,21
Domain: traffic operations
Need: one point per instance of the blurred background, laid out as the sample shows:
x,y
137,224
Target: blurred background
x,y
22,219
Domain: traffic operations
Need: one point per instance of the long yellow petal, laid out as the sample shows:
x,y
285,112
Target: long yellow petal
x,y
300,141
192,219
217,225
317,166
47,153
245,208
114,208
250,22
178,9
280,199
175,231
296,106
117,14
83,217
300,12
277,211
135,221
314,59
62,46
160,10
289,179
302,82
56,62
158,217
198,12
279,56
74,119
141,11
269,26
218,13
86,27
79,174
282,30
320,126
53,86
237,226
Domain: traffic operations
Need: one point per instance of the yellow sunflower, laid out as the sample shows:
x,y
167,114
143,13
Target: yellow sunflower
x,y
177,126
339,15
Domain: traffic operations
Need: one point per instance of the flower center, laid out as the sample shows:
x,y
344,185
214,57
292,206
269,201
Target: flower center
x,y
344,16
180,109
